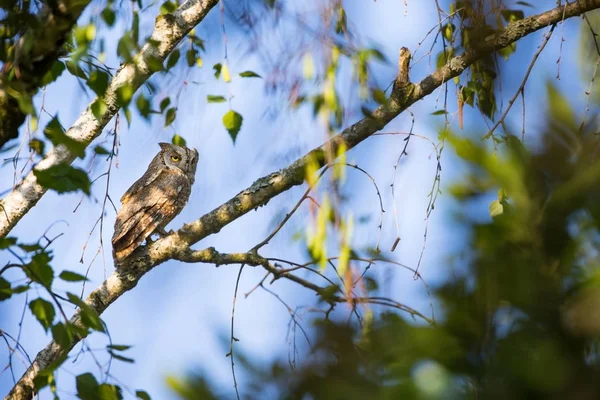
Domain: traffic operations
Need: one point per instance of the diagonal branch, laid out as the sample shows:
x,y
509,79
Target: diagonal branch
x,y
177,245
33,55
169,30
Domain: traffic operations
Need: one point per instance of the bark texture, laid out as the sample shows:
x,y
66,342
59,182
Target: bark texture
x,y
33,56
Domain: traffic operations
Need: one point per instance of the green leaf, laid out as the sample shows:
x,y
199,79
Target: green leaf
x,y
39,270
98,82
173,58
89,316
71,276
439,112
30,248
143,106
379,96
37,146
121,358
225,73
101,151
178,140
190,55
119,347
57,69
5,290
167,7
250,74
141,394
215,99
164,103
170,116
109,392
6,242
61,335
43,311
74,69
63,178
217,68
56,134
512,15
108,16
232,122
125,94
99,108
87,387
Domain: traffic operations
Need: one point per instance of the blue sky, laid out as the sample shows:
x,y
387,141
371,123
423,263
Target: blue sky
x,y
177,315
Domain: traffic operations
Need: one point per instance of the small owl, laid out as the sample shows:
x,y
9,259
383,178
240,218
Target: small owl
x,y
155,199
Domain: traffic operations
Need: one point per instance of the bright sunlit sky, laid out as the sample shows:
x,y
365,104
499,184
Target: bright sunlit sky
x,y
178,316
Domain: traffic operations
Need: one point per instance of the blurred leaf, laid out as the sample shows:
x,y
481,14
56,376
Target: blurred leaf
x,y
233,123
43,311
178,140
173,58
496,208
56,134
140,394
379,96
98,81
165,103
119,347
71,276
99,109
170,116
5,289
512,15
108,16
226,74
101,150
75,70
39,270
121,358
89,317
249,74
63,178
37,146
217,68
61,335
215,99
191,57
57,69
6,242
143,106
167,7
87,387
109,392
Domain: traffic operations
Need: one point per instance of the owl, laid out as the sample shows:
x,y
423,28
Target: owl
x,y
155,199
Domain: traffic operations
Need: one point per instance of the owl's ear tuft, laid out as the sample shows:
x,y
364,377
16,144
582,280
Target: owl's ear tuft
x,y
165,146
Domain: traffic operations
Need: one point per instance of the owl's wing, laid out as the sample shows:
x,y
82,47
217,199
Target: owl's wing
x,y
149,176
145,210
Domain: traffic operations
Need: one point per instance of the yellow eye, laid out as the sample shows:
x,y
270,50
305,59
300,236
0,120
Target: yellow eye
x,y
175,158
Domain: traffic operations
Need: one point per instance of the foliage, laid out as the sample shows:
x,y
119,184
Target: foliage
x,y
518,321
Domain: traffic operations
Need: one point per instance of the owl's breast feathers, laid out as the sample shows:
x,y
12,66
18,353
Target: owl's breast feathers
x,y
149,205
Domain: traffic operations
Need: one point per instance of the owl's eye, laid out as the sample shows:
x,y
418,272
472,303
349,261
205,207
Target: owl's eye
x,y
175,158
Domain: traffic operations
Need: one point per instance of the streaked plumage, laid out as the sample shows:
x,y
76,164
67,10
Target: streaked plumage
x,y
155,199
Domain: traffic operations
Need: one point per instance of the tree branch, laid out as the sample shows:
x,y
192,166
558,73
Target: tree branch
x,y
176,246
33,55
168,31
